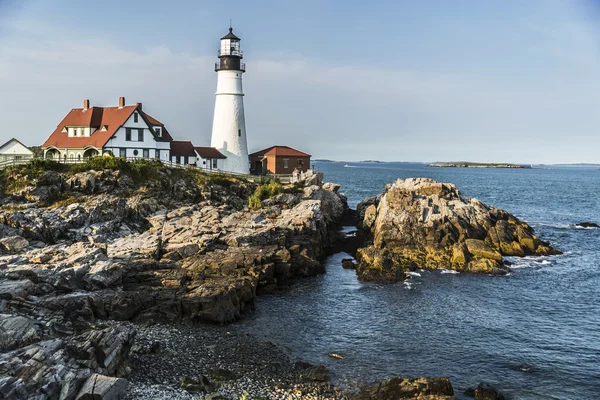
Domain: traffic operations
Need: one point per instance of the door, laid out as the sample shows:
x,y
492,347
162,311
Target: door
x,y
258,167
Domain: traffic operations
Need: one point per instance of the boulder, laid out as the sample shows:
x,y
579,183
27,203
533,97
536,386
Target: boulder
x,y
348,263
317,373
100,387
407,388
13,244
16,331
421,223
486,391
587,225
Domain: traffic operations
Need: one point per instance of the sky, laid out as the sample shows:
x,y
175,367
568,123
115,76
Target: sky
x,y
486,81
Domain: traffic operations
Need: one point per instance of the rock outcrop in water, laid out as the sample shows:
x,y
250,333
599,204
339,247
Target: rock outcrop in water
x,y
80,251
421,223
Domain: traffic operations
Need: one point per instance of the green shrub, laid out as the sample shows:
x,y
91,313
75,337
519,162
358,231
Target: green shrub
x,y
262,192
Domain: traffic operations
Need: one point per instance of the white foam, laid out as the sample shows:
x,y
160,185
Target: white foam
x,y
411,273
408,285
448,271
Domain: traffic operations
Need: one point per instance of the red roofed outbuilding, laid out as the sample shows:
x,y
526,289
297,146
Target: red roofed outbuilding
x,y
279,160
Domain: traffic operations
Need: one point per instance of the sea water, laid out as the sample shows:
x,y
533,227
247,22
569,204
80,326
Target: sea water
x,y
534,334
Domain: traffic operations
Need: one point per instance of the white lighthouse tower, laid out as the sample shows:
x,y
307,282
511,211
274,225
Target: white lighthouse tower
x,y
229,123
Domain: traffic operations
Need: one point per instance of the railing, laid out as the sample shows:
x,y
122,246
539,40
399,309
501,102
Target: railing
x,y
238,53
218,67
14,161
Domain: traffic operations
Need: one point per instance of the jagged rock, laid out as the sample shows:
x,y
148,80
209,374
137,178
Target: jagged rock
x,y
17,331
180,247
100,387
421,223
406,388
348,263
13,244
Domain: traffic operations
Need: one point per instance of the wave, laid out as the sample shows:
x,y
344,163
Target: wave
x,y
448,271
411,273
529,262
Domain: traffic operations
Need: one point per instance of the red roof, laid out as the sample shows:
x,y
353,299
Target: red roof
x,y
182,148
96,117
208,152
165,135
283,151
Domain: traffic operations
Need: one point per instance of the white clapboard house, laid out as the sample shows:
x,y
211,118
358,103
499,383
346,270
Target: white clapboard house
x,y
14,150
123,131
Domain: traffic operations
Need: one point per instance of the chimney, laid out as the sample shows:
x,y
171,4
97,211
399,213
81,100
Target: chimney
x,y
86,104
121,102
139,106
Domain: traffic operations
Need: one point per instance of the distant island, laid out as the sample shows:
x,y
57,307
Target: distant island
x,y
463,164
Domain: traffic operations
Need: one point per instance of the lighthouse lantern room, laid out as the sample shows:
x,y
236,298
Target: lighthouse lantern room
x,y
229,123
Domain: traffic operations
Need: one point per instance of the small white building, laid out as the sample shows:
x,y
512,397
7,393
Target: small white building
x,y
123,131
185,153
210,158
14,150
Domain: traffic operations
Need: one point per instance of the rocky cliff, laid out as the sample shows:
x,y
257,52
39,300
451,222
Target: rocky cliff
x,y
81,249
421,223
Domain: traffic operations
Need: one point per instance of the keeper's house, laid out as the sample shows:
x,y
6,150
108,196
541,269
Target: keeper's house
x,y
123,131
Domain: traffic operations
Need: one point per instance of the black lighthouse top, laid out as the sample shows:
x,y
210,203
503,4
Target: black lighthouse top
x,y
230,54
230,35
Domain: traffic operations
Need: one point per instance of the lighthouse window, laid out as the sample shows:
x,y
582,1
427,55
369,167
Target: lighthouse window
x,y
239,132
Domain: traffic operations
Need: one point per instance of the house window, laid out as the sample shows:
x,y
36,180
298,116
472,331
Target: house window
x,y
123,153
286,162
300,162
157,130
178,160
135,153
214,163
157,154
140,135
146,153
185,160
239,132
128,134
135,117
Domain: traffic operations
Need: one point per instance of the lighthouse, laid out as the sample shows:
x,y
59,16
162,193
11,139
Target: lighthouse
x,y
229,123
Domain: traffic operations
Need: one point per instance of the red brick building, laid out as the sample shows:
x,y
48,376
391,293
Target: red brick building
x,y
278,160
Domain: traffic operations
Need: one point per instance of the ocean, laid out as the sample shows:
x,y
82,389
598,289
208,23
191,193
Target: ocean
x,y
534,334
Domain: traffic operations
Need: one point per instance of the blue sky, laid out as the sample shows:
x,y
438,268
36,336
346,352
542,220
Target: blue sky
x,y
504,81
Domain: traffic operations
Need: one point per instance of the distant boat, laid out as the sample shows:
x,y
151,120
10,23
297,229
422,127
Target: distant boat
x,y
349,166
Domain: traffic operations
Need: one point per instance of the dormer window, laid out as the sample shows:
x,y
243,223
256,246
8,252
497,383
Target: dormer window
x,y
135,117
157,130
